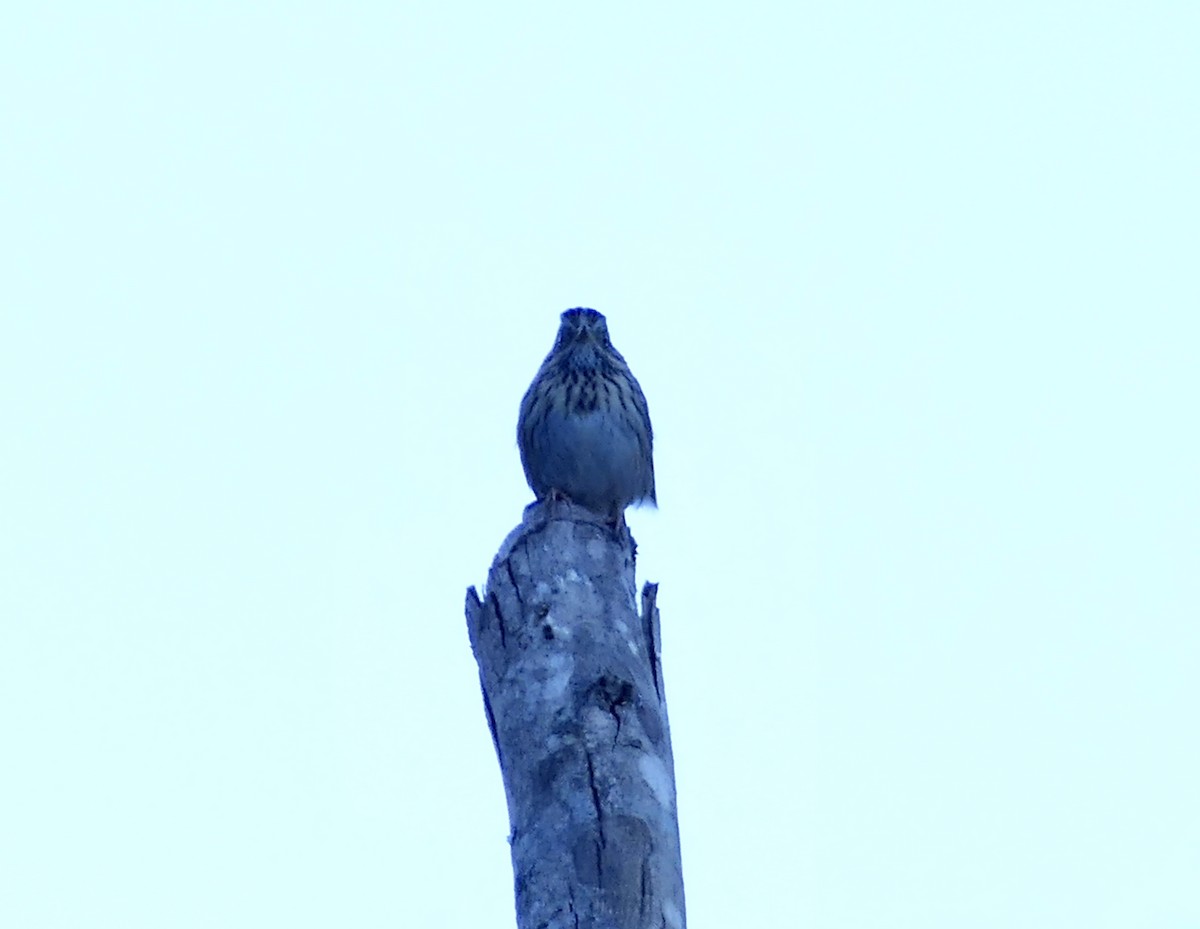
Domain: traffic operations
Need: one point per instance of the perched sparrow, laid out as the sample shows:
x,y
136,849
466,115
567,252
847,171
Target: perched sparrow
x,y
584,430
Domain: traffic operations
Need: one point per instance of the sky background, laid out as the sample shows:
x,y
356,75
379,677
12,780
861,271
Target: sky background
x,y
912,291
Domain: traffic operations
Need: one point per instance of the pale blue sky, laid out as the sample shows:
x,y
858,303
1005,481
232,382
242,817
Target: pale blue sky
x,y
912,291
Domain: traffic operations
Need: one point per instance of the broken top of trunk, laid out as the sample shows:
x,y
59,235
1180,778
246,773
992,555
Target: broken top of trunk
x,y
572,687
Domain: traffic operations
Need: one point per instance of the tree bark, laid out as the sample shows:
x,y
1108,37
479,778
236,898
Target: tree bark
x,y
573,692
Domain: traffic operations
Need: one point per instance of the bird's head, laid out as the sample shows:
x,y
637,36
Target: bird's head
x,y
580,326
583,340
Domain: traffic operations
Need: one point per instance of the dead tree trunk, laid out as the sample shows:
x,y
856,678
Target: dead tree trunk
x,y
573,691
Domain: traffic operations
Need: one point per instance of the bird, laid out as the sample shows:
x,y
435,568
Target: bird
x,y
584,428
